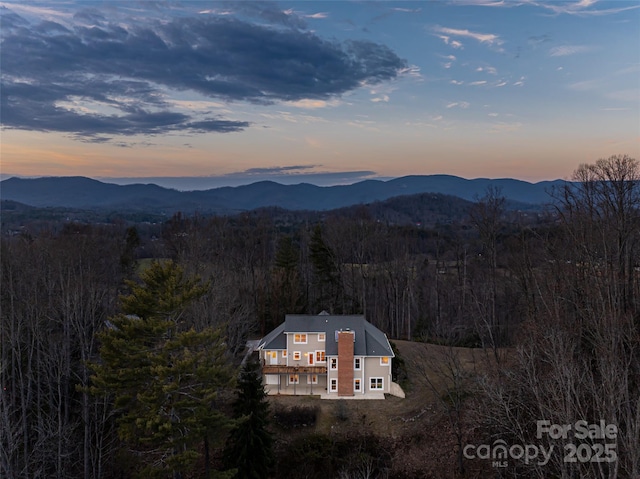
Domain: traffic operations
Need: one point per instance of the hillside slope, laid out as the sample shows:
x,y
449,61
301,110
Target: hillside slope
x,y
81,192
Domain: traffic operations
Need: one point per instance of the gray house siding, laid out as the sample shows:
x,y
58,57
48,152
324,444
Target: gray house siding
x,y
301,357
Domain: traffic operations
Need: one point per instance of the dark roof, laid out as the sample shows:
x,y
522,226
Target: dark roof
x,y
276,339
369,340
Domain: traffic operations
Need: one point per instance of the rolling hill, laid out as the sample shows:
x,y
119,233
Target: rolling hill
x,y
86,193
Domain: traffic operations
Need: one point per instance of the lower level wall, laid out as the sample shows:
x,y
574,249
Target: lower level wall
x,y
280,384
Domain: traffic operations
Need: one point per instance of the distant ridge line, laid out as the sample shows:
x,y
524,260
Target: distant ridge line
x,y
88,193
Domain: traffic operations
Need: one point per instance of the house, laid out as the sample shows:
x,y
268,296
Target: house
x,y
333,356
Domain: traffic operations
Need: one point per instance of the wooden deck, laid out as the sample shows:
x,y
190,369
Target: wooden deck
x,y
279,369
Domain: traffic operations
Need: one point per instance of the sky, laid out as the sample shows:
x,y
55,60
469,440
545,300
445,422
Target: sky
x,y
208,93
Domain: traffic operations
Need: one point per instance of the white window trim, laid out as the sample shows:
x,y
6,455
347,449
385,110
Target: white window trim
x,y
316,356
322,337
284,353
269,356
331,366
297,353
388,361
333,381
296,381
300,342
376,389
312,379
359,364
357,381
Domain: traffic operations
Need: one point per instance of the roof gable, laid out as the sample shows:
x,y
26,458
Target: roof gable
x,y
369,340
276,339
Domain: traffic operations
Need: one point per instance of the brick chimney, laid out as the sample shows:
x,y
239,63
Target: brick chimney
x,y
345,362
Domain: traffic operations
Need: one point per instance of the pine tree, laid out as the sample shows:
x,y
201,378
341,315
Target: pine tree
x,y
287,293
249,448
287,254
327,274
163,375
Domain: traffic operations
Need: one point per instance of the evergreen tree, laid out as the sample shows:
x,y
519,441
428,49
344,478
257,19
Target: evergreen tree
x,y
287,292
128,256
249,449
287,254
327,274
164,376
322,258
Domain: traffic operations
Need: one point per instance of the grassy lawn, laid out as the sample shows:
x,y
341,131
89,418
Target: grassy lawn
x,y
394,416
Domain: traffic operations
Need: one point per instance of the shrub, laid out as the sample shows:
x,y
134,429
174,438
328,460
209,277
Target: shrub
x,y
295,416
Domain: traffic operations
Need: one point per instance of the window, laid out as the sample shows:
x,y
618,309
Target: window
x,y
376,384
299,338
294,379
334,385
272,356
334,363
356,363
356,385
322,337
296,355
320,357
284,353
312,379
310,358
384,361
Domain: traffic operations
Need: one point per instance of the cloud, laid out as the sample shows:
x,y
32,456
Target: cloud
x,y
271,170
452,43
318,15
485,3
383,98
578,8
489,70
411,71
566,50
268,11
407,10
477,83
313,104
124,71
488,38
459,104
582,7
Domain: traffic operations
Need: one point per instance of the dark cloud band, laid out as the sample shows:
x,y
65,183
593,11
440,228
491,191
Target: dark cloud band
x,y
124,72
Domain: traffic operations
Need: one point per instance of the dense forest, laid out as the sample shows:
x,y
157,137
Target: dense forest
x,y
121,340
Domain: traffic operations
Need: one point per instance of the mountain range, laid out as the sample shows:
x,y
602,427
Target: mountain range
x,y
87,193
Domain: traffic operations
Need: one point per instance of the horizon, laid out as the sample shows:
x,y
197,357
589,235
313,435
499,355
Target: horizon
x,y
336,91
201,183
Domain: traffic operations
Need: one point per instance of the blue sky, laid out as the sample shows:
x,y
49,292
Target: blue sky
x,y
322,92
